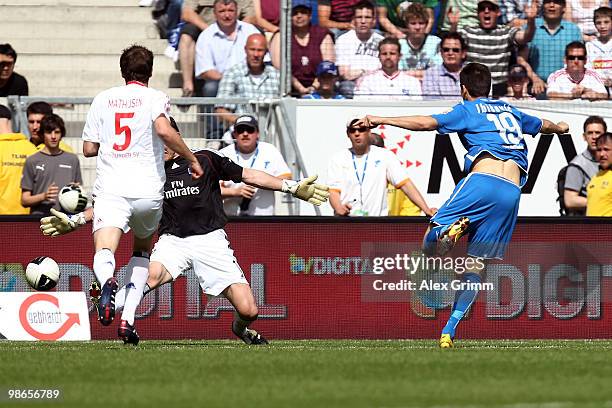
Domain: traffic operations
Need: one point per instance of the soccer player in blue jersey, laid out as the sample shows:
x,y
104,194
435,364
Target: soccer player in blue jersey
x,y
485,203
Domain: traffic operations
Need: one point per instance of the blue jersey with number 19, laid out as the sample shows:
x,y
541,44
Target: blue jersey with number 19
x,y
492,126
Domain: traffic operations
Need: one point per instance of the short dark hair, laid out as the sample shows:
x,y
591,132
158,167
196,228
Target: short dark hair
x,y
389,40
575,45
595,119
476,78
604,137
51,122
453,35
363,4
602,12
6,49
5,113
136,63
39,107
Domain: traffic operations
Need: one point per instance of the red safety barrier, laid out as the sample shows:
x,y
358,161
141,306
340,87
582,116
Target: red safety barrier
x,y
316,278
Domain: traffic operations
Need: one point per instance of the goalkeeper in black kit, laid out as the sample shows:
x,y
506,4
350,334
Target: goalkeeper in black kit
x,y
191,232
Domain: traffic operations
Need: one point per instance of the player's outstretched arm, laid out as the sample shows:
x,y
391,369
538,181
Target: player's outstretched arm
x,y
305,189
417,122
60,223
174,141
550,127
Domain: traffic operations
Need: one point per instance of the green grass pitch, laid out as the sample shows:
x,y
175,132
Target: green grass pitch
x,y
312,373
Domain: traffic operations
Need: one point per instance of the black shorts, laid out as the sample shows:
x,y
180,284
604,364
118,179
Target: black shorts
x,y
191,30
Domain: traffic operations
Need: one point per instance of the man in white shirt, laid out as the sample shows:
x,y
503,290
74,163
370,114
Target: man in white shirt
x,y
126,128
575,81
357,49
358,177
218,48
221,45
248,152
388,82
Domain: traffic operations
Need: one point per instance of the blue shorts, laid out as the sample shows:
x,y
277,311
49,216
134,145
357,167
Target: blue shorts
x,y
491,203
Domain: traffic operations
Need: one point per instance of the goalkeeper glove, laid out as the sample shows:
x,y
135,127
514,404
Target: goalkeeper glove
x,y
60,224
307,190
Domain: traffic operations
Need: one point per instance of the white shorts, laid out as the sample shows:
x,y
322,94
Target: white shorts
x,y
140,214
210,256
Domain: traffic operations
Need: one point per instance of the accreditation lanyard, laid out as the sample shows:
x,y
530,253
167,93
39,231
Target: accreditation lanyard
x,y
252,161
363,173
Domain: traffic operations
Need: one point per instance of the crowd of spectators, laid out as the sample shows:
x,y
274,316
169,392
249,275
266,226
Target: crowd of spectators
x,y
502,34
208,37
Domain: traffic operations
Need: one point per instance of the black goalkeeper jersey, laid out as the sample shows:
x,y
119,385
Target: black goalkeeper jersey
x,y
195,207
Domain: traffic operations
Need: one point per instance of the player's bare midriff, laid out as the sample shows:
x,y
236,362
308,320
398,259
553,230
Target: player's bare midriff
x,y
485,163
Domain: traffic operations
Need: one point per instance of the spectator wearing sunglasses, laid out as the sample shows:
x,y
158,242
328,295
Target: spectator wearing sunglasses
x,y
358,177
249,152
575,81
492,45
545,52
442,81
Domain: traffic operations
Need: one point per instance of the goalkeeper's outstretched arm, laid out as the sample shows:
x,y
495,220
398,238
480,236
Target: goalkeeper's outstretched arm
x,y
59,223
305,189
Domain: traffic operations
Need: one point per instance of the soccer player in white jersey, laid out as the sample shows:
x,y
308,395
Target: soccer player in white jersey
x,y
191,232
126,128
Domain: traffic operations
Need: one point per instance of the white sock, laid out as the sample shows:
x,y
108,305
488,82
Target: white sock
x,y
122,292
135,287
104,265
120,297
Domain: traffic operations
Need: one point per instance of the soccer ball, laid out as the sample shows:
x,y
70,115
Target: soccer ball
x,y
71,199
42,273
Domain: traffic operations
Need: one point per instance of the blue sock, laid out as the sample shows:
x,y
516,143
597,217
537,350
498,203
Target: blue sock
x,y
431,240
463,301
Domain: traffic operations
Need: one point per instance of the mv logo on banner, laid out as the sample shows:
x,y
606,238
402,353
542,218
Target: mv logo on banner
x,y
444,151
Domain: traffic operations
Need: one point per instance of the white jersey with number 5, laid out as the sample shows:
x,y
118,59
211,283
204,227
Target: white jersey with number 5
x,y
130,158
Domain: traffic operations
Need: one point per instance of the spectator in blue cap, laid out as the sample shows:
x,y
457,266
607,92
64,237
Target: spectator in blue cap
x,y
325,84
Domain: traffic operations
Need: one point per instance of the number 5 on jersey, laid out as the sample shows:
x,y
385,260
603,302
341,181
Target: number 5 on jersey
x,y
123,129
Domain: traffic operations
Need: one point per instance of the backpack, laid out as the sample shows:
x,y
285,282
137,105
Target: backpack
x,y
561,187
